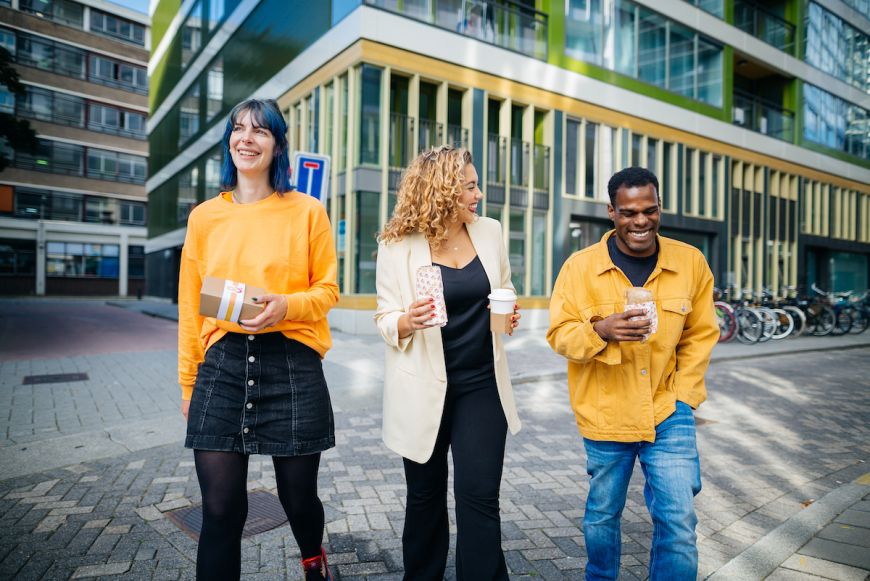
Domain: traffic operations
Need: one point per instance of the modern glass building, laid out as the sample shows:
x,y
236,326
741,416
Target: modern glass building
x,y
753,115
73,213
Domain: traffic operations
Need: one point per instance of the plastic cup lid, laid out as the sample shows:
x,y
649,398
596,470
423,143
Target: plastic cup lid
x,y
502,294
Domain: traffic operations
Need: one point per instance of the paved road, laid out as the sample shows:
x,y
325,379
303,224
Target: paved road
x,y
90,469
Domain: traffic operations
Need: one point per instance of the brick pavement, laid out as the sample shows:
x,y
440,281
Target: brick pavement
x,y
775,433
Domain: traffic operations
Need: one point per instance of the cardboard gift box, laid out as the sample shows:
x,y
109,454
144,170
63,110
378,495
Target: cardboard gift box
x,y
228,300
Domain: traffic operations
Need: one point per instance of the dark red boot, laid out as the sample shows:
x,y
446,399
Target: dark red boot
x,y
316,568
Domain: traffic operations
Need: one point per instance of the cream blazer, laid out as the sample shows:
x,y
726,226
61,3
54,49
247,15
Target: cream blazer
x,y
415,378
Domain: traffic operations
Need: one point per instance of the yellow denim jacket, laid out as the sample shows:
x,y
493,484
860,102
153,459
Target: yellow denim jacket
x,y
620,391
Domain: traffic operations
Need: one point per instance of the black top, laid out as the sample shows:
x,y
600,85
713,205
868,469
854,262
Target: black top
x,y
466,336
636,269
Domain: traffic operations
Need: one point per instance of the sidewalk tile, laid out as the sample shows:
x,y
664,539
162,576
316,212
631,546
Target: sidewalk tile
x,y
837,552
823,568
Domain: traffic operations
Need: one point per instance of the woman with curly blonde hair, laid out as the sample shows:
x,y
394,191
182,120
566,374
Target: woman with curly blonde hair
x,y
446,388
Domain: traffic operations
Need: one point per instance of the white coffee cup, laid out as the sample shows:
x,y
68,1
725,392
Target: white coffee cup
x,y
501,307
502,301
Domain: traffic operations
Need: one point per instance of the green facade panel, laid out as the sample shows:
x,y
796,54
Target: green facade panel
x,y
162,18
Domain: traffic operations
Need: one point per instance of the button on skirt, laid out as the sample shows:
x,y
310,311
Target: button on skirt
x,y
261,394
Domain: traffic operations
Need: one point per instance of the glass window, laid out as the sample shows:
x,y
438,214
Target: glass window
x,y
342,124
709,72
17,257
188,122
136,261
69,110
69,61
652,43
216,9
134,123
191,34
215,88
213,174
65,11
367,226
517,249
68,158
623,56
314,121
714,7
113,74
589,161
642,44
7,40
688,183
117,27
7,100
188,184
834,123
539,253
102,164
103,116
835,47
131,168
681,61
102,68
132,213
35,103
66,207
651,156
572,146
100,210
584,30
35,52
370,108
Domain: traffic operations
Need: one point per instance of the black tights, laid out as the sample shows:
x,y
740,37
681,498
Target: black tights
x,y
223,481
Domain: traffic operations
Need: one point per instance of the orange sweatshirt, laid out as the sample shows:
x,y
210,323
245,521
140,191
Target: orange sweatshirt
x,y
282,244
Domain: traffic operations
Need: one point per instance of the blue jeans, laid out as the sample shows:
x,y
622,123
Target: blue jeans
x,y
673,478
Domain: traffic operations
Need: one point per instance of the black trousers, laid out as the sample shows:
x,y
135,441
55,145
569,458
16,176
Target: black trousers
x,y
473,425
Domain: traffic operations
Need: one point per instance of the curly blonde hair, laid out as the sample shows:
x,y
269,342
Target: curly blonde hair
x,y
428,196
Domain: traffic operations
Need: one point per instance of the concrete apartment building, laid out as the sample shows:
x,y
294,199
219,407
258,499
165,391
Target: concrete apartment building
x,y
755,116
73,215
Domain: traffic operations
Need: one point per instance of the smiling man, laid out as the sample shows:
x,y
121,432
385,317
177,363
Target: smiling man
x,y
633,392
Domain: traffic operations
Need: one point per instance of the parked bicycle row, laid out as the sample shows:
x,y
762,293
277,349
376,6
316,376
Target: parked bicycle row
x,y
821,313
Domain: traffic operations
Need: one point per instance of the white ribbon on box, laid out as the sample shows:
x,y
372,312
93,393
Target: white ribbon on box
x,y
234,294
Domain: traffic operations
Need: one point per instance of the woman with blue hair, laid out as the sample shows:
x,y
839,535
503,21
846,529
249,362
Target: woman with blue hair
x,y
256,386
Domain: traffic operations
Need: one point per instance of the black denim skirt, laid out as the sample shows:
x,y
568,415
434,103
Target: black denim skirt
x,y
260,394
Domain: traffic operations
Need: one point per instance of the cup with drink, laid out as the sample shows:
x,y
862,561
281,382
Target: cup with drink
x,y
639,298
501,309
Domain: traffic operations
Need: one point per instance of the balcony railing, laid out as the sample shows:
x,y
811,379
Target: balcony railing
x,y
115,130
519,172
56,115
504,23
457,136
496,174
763,116
541,161
764,25
430,135
401,146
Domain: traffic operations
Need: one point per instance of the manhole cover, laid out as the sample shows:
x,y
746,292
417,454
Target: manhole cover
x,y
54,378
264,514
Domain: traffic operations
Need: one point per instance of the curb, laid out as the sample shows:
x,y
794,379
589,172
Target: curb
x,y
767,553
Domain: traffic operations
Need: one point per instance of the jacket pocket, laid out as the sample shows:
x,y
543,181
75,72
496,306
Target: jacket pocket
x,y
673,319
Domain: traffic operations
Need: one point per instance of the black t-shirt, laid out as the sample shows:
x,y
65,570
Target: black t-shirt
x,y
636,269
466,336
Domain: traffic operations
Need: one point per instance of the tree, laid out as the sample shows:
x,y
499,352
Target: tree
x,y
13,131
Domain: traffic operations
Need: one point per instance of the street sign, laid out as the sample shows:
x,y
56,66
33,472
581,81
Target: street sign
x,y
311,171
